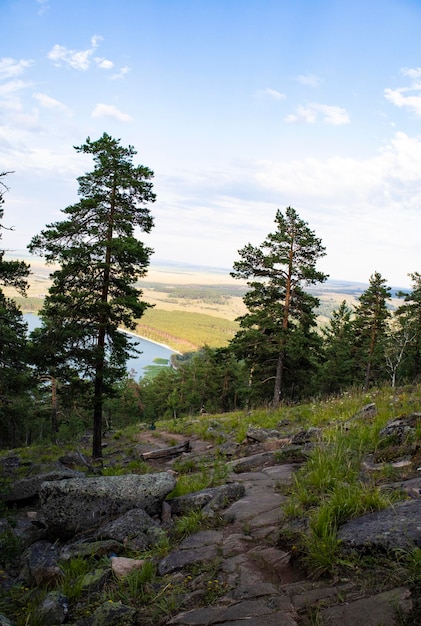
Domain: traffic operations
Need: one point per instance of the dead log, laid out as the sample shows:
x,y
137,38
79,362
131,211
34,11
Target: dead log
x,y
168,453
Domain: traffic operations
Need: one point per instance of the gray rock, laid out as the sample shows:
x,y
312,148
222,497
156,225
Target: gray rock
x,y
134,525
200,547
394,528
28,531
366,412
383,608
41,566
212,499
53,609
28,488
262,434
306,436
401,427
112,614
90,548
95,581
253,462
79,504
178,559
270,611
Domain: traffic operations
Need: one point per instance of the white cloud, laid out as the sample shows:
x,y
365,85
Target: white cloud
x,y
104,64
271,93
109,110
121,74
310,80
79,59
311,113
12,87
412,72
9,68
399,98
43,6
408,97
51,103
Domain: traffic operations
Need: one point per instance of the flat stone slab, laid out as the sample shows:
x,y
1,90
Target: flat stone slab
x,y
382,608
394,528
271,611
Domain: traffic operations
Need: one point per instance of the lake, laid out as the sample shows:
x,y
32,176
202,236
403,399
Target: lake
x,y
136,365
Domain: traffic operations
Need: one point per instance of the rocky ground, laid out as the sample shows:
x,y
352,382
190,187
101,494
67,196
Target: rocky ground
x,y
255,578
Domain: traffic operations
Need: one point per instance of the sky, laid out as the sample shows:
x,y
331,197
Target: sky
x,y
240,107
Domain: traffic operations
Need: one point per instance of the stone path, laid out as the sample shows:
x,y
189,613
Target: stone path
x,y
262,588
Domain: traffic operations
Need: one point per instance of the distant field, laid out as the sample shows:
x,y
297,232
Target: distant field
x,y
194,306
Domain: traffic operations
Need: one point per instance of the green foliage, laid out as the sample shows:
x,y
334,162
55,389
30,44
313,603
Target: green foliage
x,y
369,329
188,524
277,335
211,473
99,258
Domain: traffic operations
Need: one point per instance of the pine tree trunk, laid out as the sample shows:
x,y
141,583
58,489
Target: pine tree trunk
x,y
98,392
278,379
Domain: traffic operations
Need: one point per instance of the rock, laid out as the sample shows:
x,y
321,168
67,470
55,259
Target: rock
x,y
211,499
201,547
366,412
133,524
41,566
29,531
4,621
112,614
123,566
306,436
383,608
90,548
95,581
397,527
53,609
253,462
262,434
28,488
399,429
78,504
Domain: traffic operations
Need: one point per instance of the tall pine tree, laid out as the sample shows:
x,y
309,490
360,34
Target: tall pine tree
x,y
100,258
370,327
277,272
14,374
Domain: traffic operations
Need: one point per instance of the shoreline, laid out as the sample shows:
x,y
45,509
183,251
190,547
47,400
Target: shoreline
x,y
129,332
162,345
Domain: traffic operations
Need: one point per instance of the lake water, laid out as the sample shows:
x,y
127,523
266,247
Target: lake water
x,y
136,365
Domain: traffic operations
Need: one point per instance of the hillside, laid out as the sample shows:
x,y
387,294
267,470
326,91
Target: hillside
x,y
194,306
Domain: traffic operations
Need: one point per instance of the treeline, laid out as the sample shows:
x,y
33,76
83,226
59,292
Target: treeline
x,y
362,346
70,375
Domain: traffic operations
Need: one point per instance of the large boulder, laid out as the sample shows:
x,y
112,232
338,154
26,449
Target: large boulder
x,y
81,504
395,528
27,489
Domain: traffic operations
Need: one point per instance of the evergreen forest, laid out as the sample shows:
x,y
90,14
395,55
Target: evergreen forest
x,y
69,377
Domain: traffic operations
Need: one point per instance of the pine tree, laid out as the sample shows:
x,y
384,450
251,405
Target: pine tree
x,y
338,341
408,318
370,327
14,373
277,271
94,291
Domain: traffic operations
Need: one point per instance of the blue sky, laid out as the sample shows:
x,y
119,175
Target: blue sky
x,y
240,107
